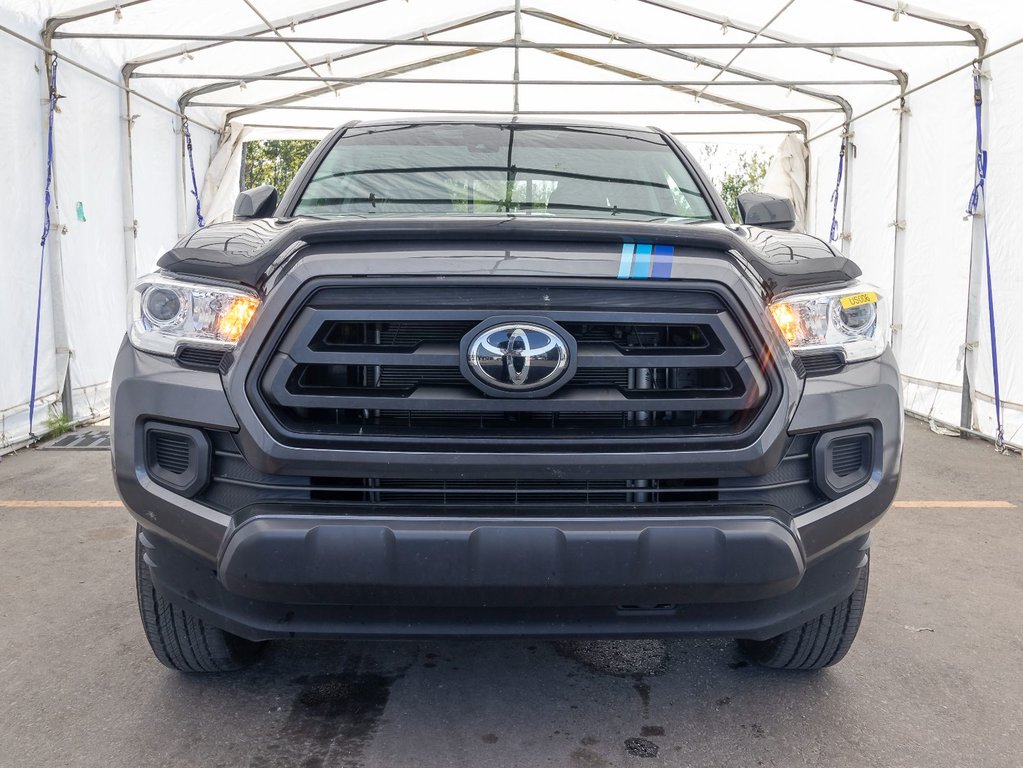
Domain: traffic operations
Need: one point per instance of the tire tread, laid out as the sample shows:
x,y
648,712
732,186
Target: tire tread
x,y
182,641
819,642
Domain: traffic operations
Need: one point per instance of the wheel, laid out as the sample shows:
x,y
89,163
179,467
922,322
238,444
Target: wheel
x,y
182,641
818,643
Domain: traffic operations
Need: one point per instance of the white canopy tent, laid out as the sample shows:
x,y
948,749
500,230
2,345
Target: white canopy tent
x,y
885,85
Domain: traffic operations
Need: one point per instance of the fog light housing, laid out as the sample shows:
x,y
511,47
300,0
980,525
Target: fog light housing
x,y
843,460
177,458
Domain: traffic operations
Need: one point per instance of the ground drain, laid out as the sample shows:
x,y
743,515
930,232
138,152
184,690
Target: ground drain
x,y
81,440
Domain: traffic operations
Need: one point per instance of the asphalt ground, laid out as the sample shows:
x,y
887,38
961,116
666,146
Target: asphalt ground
x,y
934,679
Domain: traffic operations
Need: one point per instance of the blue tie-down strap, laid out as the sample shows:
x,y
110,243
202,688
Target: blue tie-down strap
x,y
191,167
977,196
42,241
838,187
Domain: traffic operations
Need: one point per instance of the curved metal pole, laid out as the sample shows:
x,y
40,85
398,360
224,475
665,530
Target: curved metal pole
x,y
342,54
796,42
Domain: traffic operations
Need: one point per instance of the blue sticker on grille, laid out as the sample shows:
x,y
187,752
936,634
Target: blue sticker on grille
x,y
625,265
643,260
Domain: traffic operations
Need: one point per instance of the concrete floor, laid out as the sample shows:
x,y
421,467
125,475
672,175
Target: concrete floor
x,y
935,678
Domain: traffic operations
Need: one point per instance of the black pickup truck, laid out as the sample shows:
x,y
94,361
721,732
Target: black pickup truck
x,y
504,379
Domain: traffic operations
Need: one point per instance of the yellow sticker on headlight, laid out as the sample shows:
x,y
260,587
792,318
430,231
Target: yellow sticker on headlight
x,y
858,299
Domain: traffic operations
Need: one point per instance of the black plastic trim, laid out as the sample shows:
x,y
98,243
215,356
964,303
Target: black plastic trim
x,y
832,484
197,473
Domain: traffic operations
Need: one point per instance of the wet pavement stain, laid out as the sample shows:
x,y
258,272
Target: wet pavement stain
x,y
620,658
643,689
638,747
333,718
586,758
489,738
651,730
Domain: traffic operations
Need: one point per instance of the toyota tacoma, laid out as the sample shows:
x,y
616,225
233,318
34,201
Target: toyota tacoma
x,y
504,379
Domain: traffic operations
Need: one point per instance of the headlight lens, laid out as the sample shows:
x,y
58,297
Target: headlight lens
x,y
168,313
853,319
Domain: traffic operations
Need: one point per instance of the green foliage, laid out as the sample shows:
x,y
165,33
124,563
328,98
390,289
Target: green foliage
x,y
275,162
57,423
744,174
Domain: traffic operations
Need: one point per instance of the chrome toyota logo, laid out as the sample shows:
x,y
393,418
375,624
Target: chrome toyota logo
x,y
518,357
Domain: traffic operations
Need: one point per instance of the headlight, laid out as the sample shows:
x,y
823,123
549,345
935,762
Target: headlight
x,y
168,313
853,319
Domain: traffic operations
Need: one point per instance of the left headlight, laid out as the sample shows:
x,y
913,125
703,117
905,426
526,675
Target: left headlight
x,y
168,313
853,319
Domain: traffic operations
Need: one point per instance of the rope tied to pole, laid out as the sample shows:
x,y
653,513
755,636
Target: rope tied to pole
x,y
42,240
191,166
977,198
838,187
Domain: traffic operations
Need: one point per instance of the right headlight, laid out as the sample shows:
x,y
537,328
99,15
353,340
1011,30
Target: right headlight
x,y
853,319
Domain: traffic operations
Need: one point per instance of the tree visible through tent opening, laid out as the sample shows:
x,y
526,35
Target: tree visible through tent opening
x,y
275,161
734,174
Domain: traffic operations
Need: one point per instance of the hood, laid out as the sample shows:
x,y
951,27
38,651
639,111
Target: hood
x,y
249,252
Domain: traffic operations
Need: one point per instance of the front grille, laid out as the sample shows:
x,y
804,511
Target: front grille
x,y
380,366
236,484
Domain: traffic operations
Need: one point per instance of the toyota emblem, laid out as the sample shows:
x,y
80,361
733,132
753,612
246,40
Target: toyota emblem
x,y
518,357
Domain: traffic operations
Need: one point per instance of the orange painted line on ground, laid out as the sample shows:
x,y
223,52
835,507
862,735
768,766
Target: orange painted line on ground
x,y
50,503
954,505
110,503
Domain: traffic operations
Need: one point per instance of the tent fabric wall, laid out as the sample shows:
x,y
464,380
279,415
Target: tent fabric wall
x,y
137,199
1005,200
23,175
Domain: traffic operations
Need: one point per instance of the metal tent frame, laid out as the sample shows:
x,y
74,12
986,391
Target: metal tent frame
x,y
203,92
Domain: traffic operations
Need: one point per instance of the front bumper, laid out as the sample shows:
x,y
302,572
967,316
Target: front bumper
x,y
287,569
188,581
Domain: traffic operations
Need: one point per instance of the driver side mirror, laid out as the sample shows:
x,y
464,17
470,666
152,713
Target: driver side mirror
x,y
761,210
256,203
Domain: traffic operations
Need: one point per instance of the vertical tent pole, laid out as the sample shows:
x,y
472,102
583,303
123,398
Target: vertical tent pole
x,y
977,271
518,42
845,231
61,340
128,199
899,254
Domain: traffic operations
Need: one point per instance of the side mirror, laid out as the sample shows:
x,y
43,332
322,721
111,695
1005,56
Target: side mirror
x,y
256,203
760,210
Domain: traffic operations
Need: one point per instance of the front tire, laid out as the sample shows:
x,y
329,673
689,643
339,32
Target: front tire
x,y
182,641
820,642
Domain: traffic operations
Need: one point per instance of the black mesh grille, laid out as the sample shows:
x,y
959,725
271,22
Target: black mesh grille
x,y
848,455
169,451
236,484
379,363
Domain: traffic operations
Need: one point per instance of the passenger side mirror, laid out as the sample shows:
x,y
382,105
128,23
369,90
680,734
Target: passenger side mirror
x,y
760,210
256,203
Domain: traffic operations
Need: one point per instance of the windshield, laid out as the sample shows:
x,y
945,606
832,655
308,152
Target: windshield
x,y
469,169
